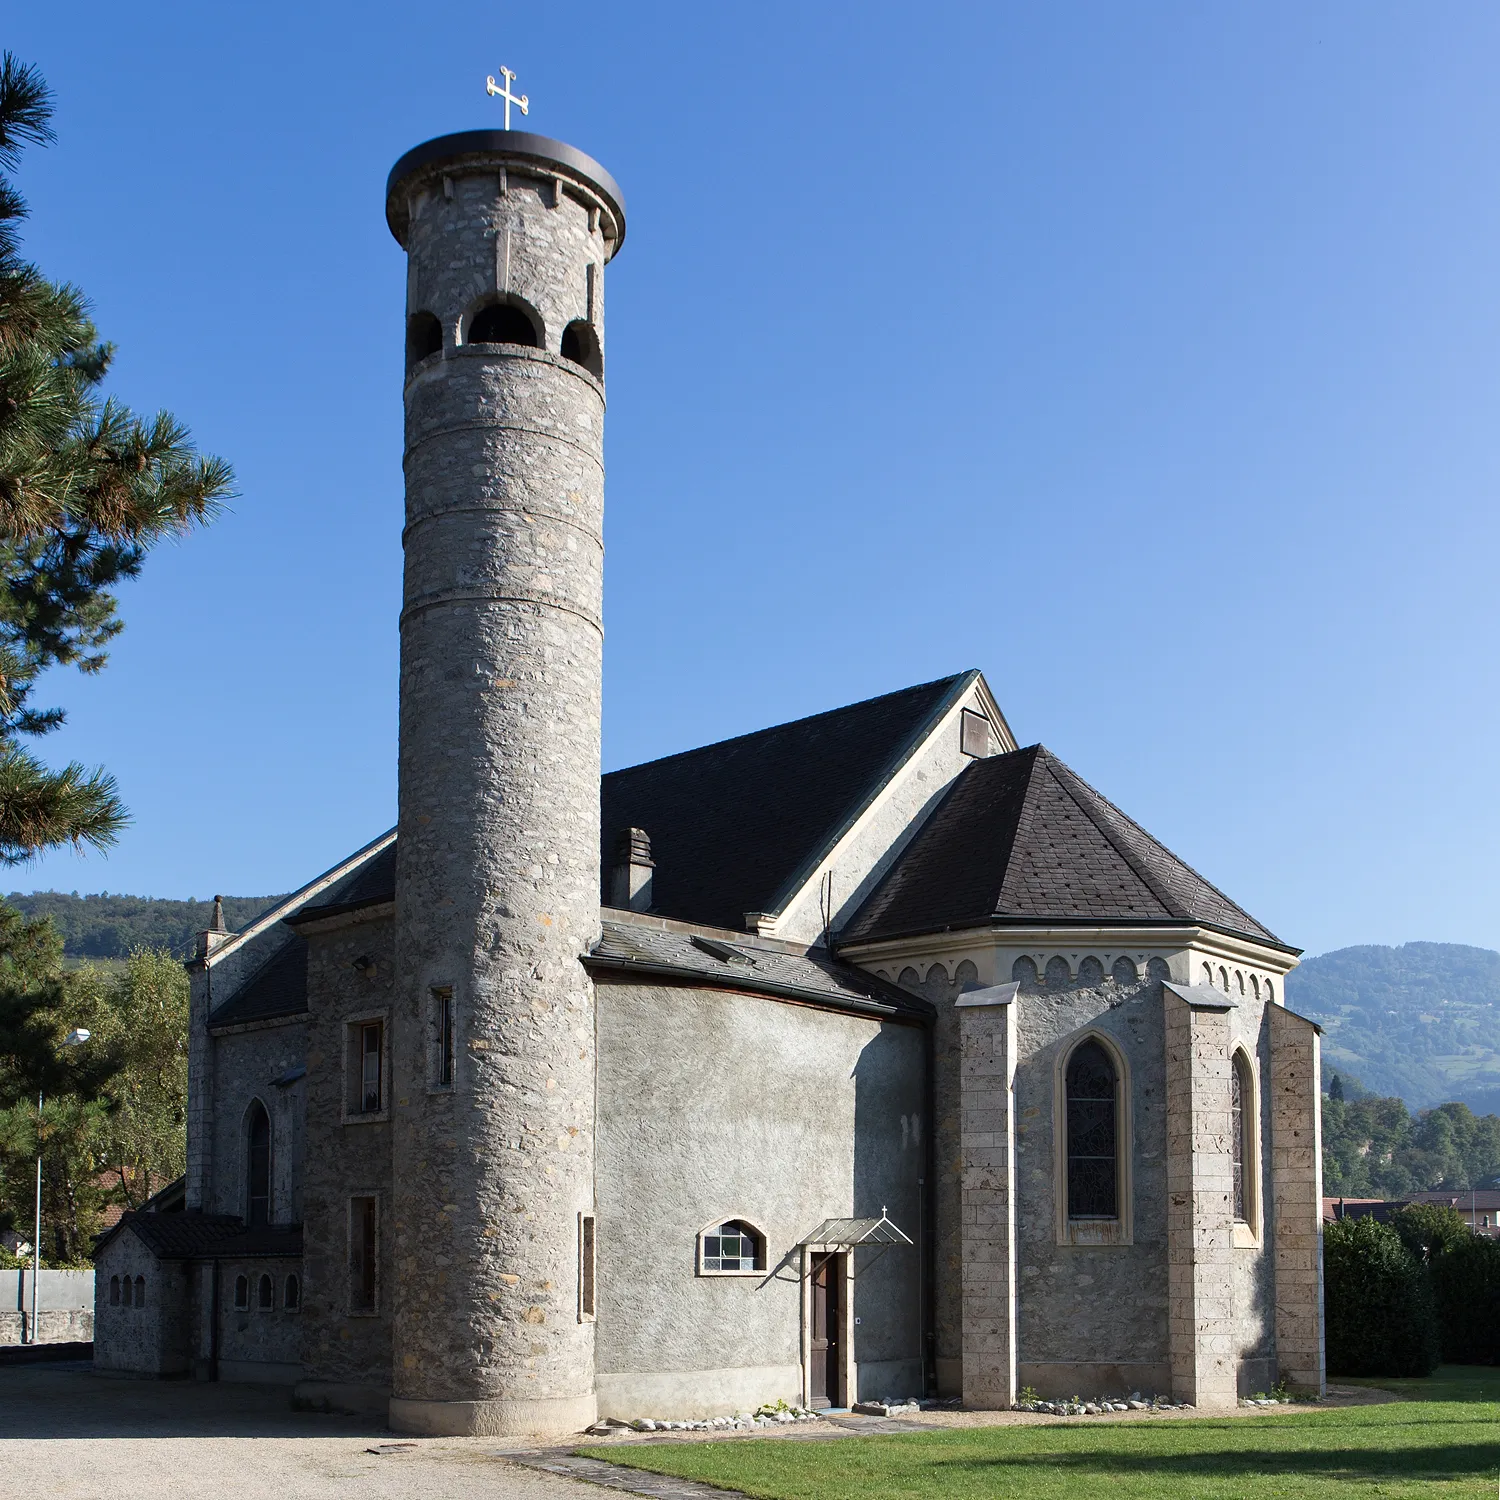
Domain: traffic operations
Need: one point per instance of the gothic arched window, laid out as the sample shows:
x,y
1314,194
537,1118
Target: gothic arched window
x,y
266,1294
1242,1137
258,1165
1093,1133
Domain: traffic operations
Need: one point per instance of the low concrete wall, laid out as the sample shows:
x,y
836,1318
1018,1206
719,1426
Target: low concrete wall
x,y
65,1307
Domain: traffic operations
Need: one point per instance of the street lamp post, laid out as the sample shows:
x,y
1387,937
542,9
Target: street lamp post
x,y
75,1038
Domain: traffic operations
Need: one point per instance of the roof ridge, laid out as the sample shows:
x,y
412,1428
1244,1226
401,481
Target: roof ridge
x,y
827,713
1146,876
1181,908
1023,818
960,683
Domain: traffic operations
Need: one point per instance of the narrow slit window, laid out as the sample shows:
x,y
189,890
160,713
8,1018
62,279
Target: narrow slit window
x,y
1093,1134
266,1294
258,1194
114,1291
370,1036
1242,1141
291,1296
140,1291
362,1252
442,1021
241,1293
586,1264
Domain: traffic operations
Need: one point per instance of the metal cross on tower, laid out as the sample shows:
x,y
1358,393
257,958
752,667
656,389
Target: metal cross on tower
x,y
491,87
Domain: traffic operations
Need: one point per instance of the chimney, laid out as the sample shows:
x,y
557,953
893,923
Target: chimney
x,y
216,934
630,871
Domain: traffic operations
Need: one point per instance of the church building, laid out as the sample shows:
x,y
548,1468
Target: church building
x,y
867,1056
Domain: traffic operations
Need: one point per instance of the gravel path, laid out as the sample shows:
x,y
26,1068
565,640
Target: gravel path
x,y
67,1434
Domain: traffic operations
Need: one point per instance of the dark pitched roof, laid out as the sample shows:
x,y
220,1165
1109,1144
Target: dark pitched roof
x,y
277,988
744,963
1021,838
192,1236
370,883
735,826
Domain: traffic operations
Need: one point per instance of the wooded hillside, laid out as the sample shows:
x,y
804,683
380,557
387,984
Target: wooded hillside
x,y
105,926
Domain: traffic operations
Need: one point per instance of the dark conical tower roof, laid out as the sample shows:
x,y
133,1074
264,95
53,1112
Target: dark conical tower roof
x,y
1021,838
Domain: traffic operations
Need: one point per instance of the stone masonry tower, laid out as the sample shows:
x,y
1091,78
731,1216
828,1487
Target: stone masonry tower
x,y
490,1227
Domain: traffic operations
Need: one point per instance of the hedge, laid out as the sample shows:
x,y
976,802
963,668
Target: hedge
x,y
1379,1310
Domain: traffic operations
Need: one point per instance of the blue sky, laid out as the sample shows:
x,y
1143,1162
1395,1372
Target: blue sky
x,y
1144,356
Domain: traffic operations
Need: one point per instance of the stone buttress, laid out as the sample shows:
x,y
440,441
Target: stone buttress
x,y
497,885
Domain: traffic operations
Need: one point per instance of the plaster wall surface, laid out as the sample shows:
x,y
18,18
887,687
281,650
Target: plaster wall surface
x,y
350,976
498,869
715,1105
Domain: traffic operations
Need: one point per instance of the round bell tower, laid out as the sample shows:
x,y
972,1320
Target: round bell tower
x,y
498,885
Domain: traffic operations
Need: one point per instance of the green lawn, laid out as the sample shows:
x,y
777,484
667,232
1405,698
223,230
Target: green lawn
x,y
1442,1440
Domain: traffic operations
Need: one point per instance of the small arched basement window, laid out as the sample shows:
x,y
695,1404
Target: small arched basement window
x,y
731,1248
424,337
502,323
241,1293
258,1165
291,1298
1093,1134
140,1291
581,344
265,1297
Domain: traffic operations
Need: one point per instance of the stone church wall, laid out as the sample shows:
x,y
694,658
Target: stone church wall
x,y
1091,1318
248,1061
152,1340
346,1352
260,1345
713,1106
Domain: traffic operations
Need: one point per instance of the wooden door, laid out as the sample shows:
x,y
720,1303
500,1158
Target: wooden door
x,y
825,1378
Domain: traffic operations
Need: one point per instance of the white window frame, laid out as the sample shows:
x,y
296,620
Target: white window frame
x,y
762,1242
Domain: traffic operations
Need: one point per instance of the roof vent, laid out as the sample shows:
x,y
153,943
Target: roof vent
x,y
630,871
724,952
974,735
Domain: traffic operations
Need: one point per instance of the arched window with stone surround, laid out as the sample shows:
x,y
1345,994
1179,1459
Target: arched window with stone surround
x,y
1242,1136
1093,1133
258,1164
503,323
265,1294
114,1291
140,1291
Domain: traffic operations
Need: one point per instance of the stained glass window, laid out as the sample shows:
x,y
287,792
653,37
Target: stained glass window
x,y
1238,1090
732,1247
1093,1134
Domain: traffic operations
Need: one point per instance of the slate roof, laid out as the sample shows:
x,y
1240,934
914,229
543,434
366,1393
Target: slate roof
x,y
176,1235
277,988
742,963
735,826
1021,838
372,882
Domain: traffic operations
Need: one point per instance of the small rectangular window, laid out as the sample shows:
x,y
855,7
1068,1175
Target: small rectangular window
x,y
362,1254
442,1026
366,1067
586,1263
369,1087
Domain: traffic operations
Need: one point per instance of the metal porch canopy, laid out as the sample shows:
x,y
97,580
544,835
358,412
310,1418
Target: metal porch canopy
x,y
848,1234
